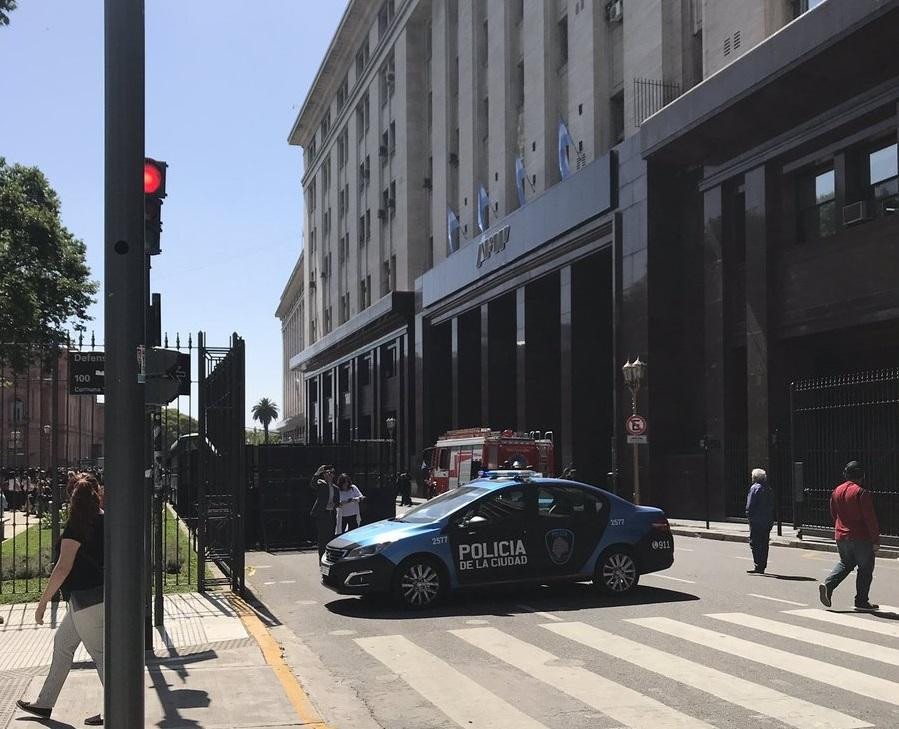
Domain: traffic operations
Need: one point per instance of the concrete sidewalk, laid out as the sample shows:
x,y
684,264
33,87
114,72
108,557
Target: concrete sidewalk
x,y
739,532
213,665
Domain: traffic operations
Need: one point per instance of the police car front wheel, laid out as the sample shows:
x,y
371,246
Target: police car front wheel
x,y
617,572
419,583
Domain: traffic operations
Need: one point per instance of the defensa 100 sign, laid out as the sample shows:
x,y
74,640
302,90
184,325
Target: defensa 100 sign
x,y
636,429
86,373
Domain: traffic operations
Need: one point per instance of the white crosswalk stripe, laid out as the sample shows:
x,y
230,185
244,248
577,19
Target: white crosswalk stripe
x,y
844,678
754,697
462,699
872,625
618,702
815,637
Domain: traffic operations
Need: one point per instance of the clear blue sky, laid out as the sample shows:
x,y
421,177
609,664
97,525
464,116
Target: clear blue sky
x,y
224,83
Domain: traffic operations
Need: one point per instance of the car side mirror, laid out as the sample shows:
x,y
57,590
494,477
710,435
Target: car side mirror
x,y
474,521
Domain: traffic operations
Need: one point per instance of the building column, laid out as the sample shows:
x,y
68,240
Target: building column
x,y
564,437
485,365
454,369
354,398
714,341
320,406
520,361
757,319
422,406
377,427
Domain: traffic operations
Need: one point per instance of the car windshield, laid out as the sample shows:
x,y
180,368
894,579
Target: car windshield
x,y
445,504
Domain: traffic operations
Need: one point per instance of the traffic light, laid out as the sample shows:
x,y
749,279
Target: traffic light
x,y
154,191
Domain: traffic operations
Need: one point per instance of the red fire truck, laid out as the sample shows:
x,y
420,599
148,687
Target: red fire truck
x,y
459,455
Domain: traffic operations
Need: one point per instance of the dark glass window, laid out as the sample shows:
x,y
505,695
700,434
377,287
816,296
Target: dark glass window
x,y
506,508
565,502
817,205
883,177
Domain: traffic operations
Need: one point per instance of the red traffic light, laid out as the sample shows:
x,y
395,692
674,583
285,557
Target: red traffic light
x,y
154,177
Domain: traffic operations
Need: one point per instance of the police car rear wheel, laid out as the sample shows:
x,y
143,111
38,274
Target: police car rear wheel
x,y
419,583
617,573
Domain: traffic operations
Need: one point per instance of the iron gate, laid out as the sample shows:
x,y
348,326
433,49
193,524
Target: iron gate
x,y
221,463
843,418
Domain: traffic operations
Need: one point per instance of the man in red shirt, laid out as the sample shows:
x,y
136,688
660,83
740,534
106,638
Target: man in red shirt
x,y
857,534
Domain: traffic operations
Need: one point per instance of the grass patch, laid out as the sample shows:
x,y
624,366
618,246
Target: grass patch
x,y
181,565
25,562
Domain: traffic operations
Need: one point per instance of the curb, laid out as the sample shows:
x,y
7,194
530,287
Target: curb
x,y
775,541
273,652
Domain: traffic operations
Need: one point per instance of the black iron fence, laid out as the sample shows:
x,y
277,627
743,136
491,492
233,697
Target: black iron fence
x,y
279,496
46,429
840,419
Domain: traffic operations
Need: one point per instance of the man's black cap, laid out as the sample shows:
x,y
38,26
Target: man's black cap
x,y
853,468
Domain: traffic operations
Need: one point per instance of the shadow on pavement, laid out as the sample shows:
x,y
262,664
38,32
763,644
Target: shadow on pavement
x,y
791,578
260,608
884,615
173,700
506,601
49,723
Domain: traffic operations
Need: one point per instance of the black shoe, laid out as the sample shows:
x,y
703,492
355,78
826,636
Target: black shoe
x,y
866,607
824,595
95,720
32,709
755,571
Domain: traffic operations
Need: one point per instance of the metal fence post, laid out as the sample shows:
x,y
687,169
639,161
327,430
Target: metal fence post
x,y
201,462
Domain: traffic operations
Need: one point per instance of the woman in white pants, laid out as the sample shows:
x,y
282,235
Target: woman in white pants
x,y
348,505
79,574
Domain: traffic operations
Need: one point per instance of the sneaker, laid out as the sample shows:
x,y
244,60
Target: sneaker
x,y
35,710
866,607
96,720
824,594
755,571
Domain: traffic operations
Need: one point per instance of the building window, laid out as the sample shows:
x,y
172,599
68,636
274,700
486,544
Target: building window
x,y
883,178
311,196
391,138
18,411
367,225
326,176
361,59
390,356
326,124
563,41
342,93
387,79
519,86
312,148
364,173
616,104
803,6
385,277
362,116
343,148
385,17
391,201
326,222
817,205
361,230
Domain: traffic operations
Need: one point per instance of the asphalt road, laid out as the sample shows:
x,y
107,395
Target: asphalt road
x,y
702,644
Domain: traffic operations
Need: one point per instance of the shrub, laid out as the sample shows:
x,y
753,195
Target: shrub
x,y
28,566
174,566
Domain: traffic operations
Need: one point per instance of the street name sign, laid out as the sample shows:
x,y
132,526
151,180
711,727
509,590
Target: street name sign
x,y
86,372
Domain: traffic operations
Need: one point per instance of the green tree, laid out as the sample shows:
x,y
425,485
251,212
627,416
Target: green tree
x,y
45,283
265,411
254,437
6,7
175,424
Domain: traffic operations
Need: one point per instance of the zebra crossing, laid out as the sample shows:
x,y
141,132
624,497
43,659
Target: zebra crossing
x,y
596,684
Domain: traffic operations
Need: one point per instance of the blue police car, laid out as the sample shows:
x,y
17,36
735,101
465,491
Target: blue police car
x,y
504,528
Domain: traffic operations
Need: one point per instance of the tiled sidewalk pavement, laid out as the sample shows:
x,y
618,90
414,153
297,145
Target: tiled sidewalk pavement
x,y
207,671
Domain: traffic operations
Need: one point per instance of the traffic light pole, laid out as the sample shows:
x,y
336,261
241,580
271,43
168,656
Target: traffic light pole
x,y
124,314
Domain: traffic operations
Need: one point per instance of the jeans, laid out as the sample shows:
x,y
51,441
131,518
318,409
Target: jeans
x,y
78,626
854,553
758,543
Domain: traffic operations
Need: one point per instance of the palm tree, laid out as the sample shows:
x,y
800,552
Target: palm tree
x,y
265,411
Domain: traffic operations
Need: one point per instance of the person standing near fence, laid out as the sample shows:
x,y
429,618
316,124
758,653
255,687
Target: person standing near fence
x,y
348,498
857,534
760,512
78,574
323,510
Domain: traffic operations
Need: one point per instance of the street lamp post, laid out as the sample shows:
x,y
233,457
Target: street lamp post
x,y
634,373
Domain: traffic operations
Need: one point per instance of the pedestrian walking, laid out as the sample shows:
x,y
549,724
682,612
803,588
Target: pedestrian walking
x,y
323,509
424,477
760,512
78,574
404,485
857,534
348,498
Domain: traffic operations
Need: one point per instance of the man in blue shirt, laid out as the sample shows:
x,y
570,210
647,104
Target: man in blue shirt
x,y
760,510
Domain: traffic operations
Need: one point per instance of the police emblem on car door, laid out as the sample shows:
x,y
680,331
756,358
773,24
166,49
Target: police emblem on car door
x,y
560,545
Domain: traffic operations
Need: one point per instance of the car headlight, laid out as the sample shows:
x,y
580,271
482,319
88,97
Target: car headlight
x,y
369,551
